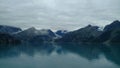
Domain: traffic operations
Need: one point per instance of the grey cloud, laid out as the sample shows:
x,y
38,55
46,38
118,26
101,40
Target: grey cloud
x,y
58,14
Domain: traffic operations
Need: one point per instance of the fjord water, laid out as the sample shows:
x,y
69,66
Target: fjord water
x,y
67,55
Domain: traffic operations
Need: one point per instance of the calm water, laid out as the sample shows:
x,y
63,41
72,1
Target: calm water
x,y
60,56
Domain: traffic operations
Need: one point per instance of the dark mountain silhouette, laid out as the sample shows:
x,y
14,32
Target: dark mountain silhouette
x,y
33,34
8,39
88,34
6,33
85,34
9,29
61,32
111,33
113,26
91,34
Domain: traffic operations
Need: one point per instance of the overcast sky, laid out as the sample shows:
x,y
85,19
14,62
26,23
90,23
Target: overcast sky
x,y
58,14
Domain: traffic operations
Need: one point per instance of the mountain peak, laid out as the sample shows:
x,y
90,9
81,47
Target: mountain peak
x,y
114,25
32,28
116,21
89,27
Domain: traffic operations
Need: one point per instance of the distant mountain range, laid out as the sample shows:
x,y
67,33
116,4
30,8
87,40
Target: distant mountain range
x,y
92,34
85,34
88,34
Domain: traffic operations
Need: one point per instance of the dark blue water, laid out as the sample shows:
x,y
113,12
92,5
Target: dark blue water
x,y
67,55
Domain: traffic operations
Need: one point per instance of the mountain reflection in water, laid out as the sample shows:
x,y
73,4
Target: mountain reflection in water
x,y
88,51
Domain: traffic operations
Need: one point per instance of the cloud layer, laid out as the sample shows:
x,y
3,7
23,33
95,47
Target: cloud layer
x,y
58,14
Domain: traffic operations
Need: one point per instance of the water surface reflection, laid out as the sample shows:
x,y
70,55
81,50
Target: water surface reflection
x,y
63,55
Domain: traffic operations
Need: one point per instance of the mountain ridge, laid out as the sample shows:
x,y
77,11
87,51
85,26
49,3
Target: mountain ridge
x,y
88,34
